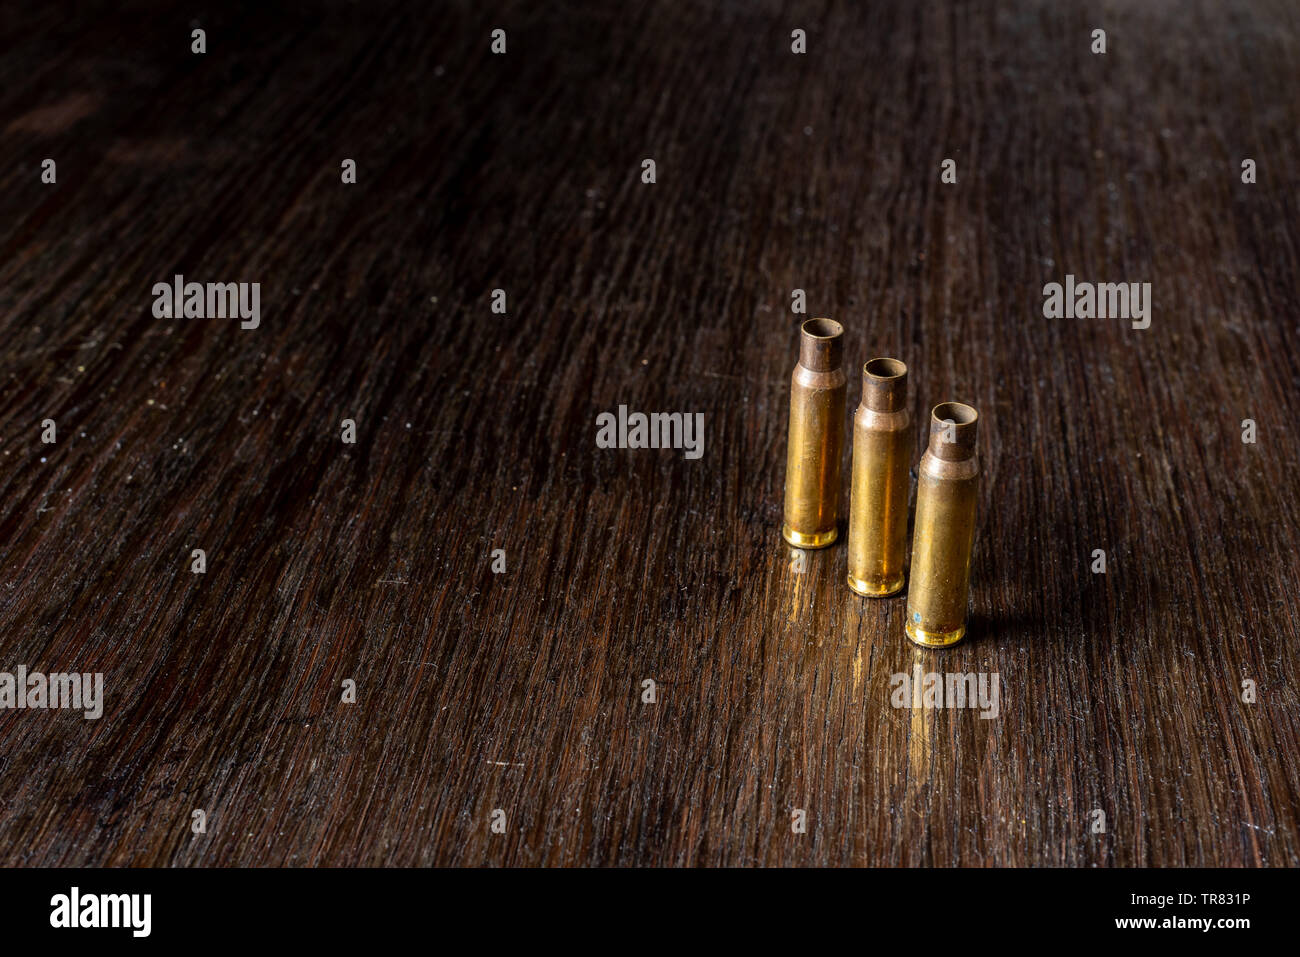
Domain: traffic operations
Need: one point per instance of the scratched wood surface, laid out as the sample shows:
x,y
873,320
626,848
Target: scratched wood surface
x,y
522,691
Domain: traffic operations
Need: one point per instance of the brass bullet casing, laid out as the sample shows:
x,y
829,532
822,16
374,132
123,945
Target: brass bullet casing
x,y
816,440
882,455
947,484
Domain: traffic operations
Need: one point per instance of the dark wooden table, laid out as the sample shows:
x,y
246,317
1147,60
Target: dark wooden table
x,y
475,430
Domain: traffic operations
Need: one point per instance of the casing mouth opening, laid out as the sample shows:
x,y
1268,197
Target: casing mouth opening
x,y
885,369
956,412
822,328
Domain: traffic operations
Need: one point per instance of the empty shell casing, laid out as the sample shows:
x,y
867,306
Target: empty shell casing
x,y
882,455
816,440
947,485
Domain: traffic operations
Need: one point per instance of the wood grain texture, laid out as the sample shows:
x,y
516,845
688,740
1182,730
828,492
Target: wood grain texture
x,y
477,431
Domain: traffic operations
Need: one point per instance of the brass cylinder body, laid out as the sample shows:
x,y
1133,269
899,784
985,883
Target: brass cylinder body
x,y
882,455
816,440
947,485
